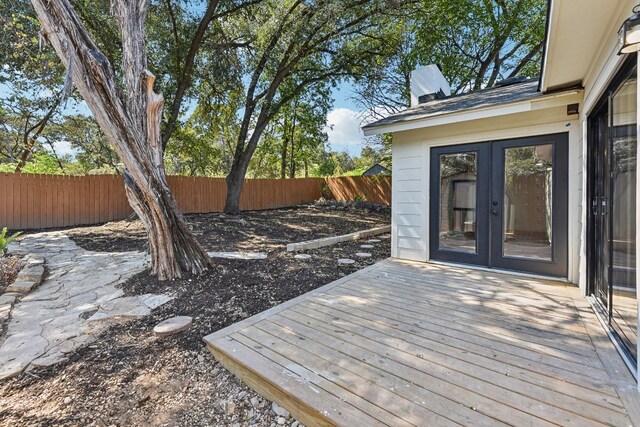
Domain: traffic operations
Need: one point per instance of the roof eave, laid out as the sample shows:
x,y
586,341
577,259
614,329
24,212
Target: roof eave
x,y
482,112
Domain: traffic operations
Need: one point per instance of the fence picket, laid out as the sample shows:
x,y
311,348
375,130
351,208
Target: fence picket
x,y
45,201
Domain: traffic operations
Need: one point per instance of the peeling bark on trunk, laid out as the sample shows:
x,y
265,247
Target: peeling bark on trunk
x,y
130,120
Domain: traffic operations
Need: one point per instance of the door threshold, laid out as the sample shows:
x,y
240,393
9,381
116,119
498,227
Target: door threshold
x,y
502,271
616,343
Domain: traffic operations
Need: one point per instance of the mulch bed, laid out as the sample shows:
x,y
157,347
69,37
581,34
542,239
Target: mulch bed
x,y
9,268
131,377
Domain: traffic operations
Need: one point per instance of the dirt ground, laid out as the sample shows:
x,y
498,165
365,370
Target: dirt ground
x,y
130,377
9,268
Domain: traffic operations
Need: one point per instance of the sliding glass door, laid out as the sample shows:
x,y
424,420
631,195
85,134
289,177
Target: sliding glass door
x,y
501,204
612,219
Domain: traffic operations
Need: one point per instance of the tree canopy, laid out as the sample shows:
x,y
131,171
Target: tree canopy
x,y
248,84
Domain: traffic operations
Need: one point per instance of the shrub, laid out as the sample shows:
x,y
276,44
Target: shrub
x,y
4,240
325,191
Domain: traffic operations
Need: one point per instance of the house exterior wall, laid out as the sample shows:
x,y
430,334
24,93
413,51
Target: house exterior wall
x,y
603,69
411,160
410,212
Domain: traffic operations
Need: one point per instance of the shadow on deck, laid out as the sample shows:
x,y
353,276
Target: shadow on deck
x,y
402,344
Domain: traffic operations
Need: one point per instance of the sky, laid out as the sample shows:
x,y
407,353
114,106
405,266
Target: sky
x,y
344,121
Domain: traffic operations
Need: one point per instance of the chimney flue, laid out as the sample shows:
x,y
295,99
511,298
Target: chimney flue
x,y
428,84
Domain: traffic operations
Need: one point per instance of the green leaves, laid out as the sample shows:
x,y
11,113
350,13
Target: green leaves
x,y
477,43
5,240
41,163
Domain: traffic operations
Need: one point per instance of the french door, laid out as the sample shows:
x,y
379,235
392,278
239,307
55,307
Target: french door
x,y
501,204
611,224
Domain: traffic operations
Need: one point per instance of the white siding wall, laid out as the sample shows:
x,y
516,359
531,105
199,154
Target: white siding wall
x,y
409,201
410,213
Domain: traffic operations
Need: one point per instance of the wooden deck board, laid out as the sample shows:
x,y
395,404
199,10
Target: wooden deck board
x,y
543,328
535,362
500,338
402,343
557,347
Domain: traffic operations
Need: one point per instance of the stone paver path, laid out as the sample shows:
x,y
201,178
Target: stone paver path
x,y
77,299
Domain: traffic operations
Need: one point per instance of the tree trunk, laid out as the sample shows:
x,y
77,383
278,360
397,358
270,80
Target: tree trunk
x,y
172,246
283,158
292,165
235,181
130,120
241,159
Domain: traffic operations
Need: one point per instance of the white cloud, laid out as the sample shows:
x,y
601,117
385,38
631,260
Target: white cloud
x,y
63,148
343,129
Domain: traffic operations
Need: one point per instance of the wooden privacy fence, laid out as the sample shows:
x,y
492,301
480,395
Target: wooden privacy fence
x,y
43,201
374,189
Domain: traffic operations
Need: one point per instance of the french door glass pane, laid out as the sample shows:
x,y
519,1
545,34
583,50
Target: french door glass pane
x,y
527,201
458,201
623,212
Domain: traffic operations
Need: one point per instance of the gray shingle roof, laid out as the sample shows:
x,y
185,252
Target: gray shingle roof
x,y
466,101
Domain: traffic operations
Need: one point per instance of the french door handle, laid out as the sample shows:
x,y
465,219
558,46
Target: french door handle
x,y
495,212
599,205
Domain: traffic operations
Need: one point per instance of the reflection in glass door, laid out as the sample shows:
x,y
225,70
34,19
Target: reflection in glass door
x,y
529,205
460,178
528,191
612,182
624,316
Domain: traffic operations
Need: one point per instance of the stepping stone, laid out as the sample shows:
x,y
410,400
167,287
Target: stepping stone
x,y
129,307
20,286
31,273
5,311
154,301
367,246
33,260
117,294
345,261
374,240
49,359
238,255
7,299
363,254
172,326
303,257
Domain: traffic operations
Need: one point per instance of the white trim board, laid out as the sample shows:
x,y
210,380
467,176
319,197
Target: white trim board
x,y
483,112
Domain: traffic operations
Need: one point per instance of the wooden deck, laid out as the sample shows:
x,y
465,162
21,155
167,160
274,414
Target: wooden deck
x,y
413,344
